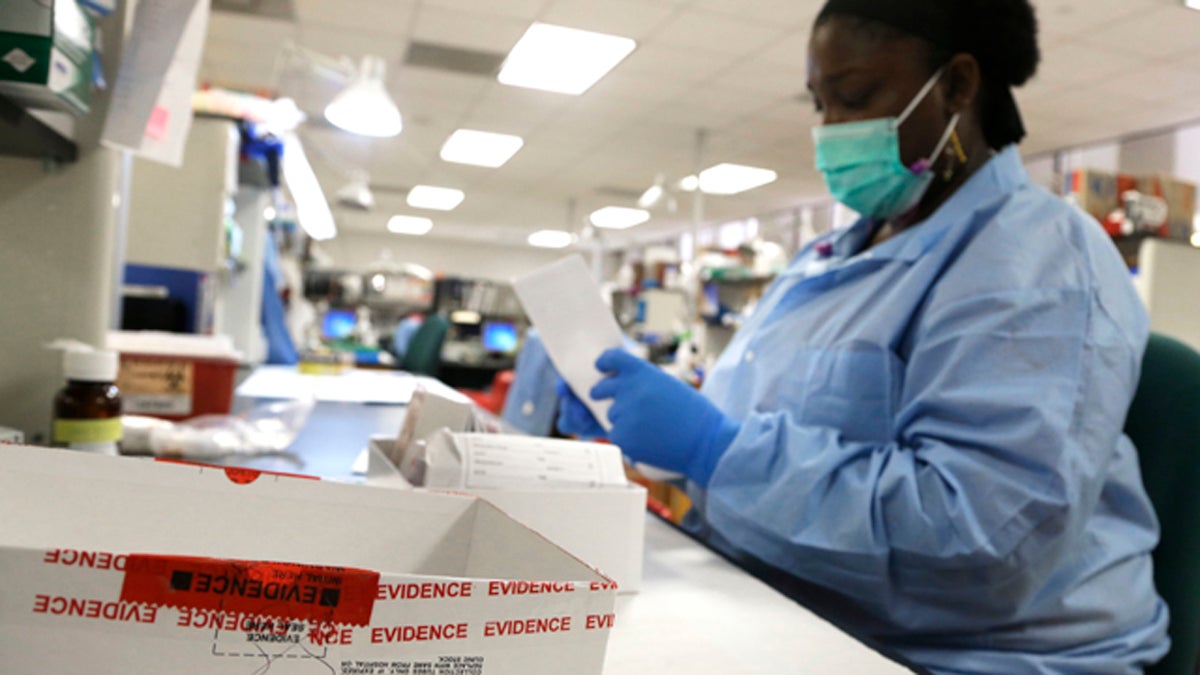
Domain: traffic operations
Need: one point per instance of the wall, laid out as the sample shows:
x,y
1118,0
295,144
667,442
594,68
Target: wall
x,y
57,233
452,258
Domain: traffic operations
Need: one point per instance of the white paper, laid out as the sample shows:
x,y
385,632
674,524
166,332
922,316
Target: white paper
x,y
564,303
353,386
150,49
175,98
501,461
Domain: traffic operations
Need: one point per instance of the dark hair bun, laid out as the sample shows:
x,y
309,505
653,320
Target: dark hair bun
x,y
1002,34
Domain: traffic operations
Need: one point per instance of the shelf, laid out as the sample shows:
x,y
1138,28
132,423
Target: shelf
x,y
23,135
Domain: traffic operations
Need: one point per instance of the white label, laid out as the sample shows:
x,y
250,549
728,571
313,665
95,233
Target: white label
x,y
63,73
498,462
18,59
157,404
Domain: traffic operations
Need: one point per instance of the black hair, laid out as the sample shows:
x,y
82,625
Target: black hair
x,y
1000,34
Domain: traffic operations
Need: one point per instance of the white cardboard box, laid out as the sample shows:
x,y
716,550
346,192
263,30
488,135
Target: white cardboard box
x,y
604,527
122,565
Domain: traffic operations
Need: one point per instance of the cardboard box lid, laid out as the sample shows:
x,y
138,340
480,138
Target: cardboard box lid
x,y
119,565
65,499
157,343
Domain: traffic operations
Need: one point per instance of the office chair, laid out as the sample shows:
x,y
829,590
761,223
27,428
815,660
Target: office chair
x,y
1164,423
425,348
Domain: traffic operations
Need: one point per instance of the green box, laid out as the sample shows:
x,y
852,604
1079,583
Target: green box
x,y
46,54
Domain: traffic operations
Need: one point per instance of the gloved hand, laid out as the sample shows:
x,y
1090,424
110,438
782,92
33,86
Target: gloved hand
x,y
574,418
659,420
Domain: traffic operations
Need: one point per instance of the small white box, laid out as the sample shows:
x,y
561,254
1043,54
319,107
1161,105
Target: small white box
x,y
604,527
122,565
11,435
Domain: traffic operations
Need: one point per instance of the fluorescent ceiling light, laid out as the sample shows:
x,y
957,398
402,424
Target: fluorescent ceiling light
x,y
563,60
480,148
551,239
364,106
312,210
651,196
1194,4
413,225
728,179
619,217
465,316
436,198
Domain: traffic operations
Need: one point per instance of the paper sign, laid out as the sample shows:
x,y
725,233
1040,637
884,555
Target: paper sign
x,y
158,70
566,307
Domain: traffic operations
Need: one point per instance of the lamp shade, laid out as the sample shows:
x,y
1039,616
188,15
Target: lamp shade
x,y
364,106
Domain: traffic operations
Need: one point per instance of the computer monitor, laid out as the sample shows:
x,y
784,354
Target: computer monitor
x,y
338,324
500,337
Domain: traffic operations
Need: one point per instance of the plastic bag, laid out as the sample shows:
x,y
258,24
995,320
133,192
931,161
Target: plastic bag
x,y
265,429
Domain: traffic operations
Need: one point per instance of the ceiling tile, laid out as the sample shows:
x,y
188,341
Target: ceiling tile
x,y
520,9
369,16
230,27
336,42
1079,18
674,64
1162,33
1078,63
764,76
719,33
774,12
627,18
473,30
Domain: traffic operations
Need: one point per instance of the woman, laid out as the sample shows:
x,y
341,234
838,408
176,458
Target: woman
x,y
924,415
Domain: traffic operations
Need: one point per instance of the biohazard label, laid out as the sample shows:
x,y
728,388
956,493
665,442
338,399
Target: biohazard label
x,y
328,595
158,387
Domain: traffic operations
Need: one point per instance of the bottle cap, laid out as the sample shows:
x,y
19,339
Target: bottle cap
x,y
91,366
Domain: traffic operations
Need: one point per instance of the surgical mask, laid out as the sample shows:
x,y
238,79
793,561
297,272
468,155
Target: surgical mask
x,y
862,166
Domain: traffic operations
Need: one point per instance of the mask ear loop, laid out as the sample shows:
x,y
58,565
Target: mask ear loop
x,y
912,105
951,130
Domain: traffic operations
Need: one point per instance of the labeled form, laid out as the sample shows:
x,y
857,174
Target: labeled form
x,y
565,305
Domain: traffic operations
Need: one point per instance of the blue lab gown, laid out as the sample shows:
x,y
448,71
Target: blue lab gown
x,y
933,428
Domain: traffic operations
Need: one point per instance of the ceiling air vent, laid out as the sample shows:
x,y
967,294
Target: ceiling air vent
x,y
453,59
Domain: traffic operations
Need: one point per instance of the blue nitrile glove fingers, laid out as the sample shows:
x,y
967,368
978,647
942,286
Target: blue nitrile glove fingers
x,y
659,420
574,418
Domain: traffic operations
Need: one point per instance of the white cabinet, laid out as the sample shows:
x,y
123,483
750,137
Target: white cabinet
x,y
177,215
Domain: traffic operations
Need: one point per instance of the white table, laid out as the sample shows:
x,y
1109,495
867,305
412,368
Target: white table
x,y
696,613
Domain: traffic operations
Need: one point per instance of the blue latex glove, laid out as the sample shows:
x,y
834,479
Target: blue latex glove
x,y
574,418
659,420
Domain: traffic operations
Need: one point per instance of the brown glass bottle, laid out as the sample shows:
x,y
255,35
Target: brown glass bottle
x,y
87,412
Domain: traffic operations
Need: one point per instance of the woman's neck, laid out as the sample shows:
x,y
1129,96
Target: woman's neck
x,y
978,154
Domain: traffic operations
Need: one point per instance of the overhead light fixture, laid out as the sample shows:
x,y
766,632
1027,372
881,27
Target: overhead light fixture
x,y
551,239
436,198
357,193
465,316
618,217
413,225
364,106
312,210
728,179
1193,4
563,60
658,195
480,148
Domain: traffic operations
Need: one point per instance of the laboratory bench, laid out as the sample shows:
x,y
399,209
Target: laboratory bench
x,y
696,612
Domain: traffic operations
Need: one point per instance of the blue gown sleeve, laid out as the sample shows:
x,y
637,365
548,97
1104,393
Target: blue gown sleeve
x,y
1009,411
